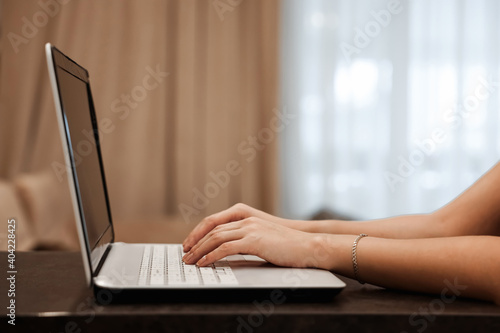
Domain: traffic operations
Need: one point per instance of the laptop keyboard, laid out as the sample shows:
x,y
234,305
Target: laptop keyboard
x,y
163,265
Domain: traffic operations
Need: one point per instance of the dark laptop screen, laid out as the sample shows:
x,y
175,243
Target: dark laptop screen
x,y
80,122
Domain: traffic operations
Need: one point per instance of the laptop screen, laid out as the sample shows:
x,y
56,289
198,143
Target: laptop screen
x,y
84,150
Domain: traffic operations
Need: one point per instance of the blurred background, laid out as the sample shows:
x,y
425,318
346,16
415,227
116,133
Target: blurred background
x,y
345,109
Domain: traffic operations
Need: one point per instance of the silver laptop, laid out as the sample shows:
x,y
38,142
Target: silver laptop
x,y
149,268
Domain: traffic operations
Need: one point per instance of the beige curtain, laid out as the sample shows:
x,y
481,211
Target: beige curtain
x,y
187,93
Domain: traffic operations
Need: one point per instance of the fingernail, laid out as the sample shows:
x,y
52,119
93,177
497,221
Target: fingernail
x,y
188,257
201,261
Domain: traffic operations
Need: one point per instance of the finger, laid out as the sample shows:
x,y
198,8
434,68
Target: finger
x,y
208,223
220,228
212,242
224,250
234,213
241,226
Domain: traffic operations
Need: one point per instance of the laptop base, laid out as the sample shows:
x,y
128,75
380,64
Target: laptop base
x,y
277,296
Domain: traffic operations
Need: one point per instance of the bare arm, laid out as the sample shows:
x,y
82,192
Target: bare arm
x,y
477,210
429,265
405,226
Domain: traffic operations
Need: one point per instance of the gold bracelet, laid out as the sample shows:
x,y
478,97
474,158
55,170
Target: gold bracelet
x,y
354,257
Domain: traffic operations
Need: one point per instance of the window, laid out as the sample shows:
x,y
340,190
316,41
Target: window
x,y
396,102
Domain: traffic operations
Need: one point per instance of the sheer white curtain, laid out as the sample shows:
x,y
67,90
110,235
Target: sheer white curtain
x,y
396,102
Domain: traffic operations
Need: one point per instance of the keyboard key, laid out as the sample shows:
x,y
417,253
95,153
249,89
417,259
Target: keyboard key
x,y
162,264
145,265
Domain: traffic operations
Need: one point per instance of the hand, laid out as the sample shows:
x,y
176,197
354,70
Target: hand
x,y
271,241
237,212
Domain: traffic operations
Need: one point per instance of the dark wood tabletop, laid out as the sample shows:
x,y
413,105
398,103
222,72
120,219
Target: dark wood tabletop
x,y
51,296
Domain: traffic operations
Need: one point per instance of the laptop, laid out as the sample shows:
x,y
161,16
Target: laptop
x,y
130,269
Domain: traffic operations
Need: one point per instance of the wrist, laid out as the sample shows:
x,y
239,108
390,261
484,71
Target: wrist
x,y
324,226
334,252
314,226
294,224
324,251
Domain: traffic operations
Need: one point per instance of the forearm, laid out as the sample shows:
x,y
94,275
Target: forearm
x,y
406,226
423,265
477,210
